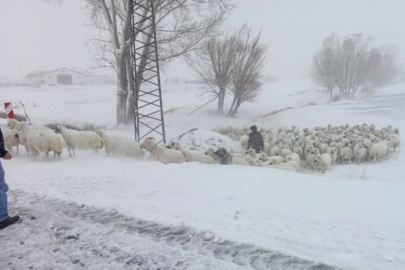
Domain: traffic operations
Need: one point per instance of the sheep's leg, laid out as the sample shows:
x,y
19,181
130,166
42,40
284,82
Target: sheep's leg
x,y
27,150
74,152
70,154
18,149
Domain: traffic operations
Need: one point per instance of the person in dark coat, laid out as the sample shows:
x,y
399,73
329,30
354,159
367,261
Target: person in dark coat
x,y
224,157
5,220
256,141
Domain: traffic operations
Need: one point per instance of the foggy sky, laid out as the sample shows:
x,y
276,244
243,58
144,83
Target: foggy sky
x,y
38,36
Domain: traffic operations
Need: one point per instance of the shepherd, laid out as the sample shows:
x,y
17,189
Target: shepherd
x,y
256,141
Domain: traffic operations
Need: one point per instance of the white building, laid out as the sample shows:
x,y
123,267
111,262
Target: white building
x,y
64,76
36,77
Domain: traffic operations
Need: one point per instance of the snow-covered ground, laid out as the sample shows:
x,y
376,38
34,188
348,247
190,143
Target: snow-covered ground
x,y
351,217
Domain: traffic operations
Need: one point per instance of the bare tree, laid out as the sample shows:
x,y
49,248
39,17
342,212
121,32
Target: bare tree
x,y
352,64
213,64
114,17
342,63
181,26
248,69
384,66
324,64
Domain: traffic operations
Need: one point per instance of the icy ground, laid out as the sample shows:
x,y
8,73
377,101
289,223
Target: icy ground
x,y
60,235
352,217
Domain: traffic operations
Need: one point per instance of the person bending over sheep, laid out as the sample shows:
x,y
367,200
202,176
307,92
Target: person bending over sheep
x,y
256,141
224,156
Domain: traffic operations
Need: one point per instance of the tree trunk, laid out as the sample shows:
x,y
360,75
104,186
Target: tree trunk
x,y
235,110
221,100
232,106
122,91
131,87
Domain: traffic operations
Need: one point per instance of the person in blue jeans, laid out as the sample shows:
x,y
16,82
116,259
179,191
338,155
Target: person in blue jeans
x,y
5,219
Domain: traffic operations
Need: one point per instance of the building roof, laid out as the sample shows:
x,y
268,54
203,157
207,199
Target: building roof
x,y
38,73
65,69
41,73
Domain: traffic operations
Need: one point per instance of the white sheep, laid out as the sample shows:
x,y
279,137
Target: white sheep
x,y
360,151
277,159
241,162
293,164
252,156
253,163
12,123
294,156
263,157
267,148
345,153
283,166
332,151
161,153
41,140
311,158
17,125
307,150
378,150
298,150
323,162
275,151
120,146
10,139
211,152
85,140
237,155
192,155
285,152
244,141
395,139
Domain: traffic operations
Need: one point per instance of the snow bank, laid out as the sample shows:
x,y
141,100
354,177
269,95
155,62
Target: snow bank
x,y
205,139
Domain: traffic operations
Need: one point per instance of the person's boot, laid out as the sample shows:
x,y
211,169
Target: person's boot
x,y
9,221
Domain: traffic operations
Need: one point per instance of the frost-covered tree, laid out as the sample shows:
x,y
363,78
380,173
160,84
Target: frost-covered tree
x,y
384,66
181,26
232,62
342,63
324,64
248,69
213,64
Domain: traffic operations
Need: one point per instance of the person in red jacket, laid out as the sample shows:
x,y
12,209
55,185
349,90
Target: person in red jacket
x,y
5,219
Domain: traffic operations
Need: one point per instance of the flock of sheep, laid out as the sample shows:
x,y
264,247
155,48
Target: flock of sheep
x,y
318,148
285,148
40,139
290,149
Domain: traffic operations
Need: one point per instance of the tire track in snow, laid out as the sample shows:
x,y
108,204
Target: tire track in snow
x,y
56,234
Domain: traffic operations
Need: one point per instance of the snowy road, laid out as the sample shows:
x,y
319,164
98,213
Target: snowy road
x,y
59,235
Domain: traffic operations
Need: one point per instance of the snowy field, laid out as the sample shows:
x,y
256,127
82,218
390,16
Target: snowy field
x,y
352,217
